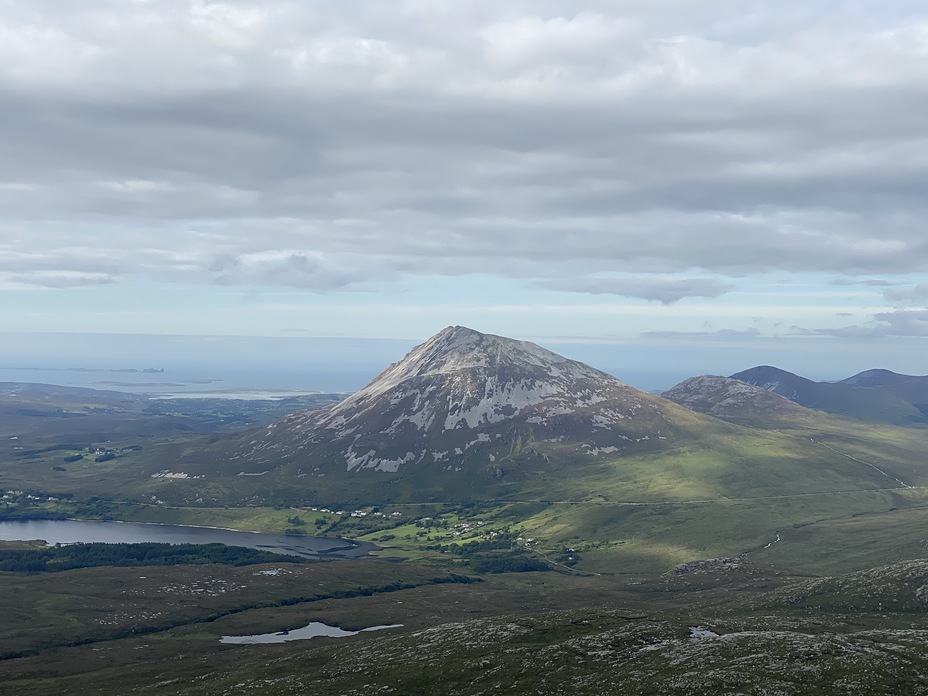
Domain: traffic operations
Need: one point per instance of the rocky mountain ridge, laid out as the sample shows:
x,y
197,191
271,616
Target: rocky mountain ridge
x,y
732,400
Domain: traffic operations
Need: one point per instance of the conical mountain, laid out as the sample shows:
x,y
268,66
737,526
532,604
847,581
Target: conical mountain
x,y
473,404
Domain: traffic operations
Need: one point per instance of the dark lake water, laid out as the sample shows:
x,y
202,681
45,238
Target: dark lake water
x,y
83,531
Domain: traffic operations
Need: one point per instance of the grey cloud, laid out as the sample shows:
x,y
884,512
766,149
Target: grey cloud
x,y
292,269
909,323
416,138
723,333
871,282
55,279
664,290
916,295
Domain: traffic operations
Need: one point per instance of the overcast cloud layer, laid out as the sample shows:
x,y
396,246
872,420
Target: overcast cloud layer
x,y
656,149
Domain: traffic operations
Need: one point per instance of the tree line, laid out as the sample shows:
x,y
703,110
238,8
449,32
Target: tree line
x,y
73,556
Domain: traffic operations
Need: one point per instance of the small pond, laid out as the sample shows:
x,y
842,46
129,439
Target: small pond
x,y
316,629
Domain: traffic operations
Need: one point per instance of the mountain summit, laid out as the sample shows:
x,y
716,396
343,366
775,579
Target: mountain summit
x,y
880,378
468,401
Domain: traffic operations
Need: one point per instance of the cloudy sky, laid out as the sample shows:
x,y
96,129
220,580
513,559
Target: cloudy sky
x,y
730,174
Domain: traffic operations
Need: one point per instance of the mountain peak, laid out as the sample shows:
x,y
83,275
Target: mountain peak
x,y
458,339
462,394
500,375
877,378
457,349
458,330
776,380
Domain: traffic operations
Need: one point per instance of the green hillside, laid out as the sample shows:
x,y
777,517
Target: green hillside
x,y
721,490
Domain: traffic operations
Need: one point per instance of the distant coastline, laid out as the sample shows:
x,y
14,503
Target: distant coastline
x,y
198,381
145,371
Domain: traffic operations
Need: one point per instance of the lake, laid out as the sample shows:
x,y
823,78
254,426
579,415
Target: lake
x,y
88,531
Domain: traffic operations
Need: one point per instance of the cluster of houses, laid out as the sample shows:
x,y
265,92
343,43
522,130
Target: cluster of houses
x,y
467,527
355,513
20,495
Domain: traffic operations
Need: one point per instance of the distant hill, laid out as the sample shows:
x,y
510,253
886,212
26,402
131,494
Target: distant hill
x,y
735,401
786,384
880,378
55,395
878,396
